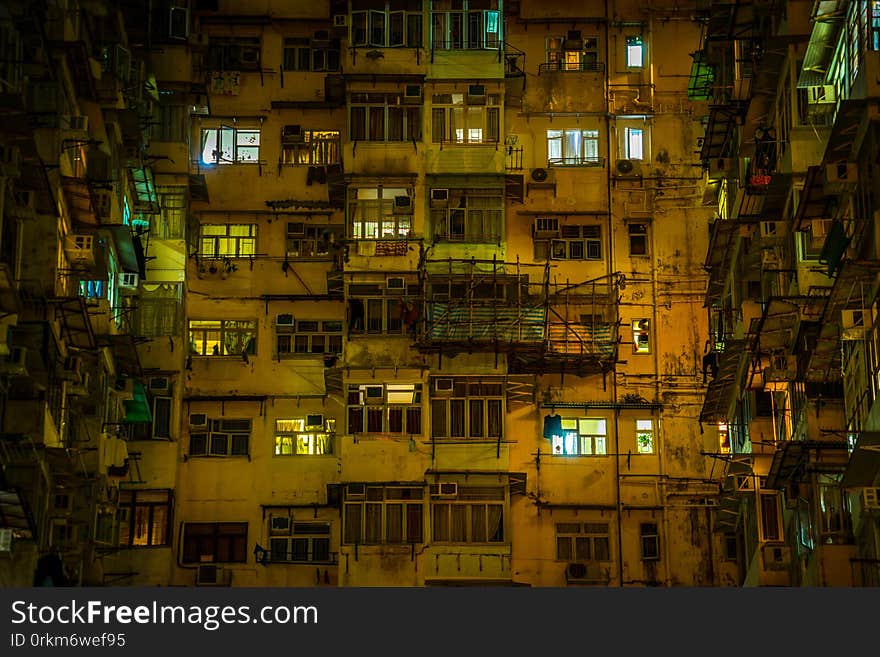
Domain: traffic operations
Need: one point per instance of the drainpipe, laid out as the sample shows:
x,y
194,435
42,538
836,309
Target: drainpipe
x,y
610,226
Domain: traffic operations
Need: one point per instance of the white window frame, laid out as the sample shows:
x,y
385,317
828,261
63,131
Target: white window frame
x,y
411,29
580,437
399,398
461,211
645,436
444,36
450,109
298,340
588,155
634,143
392,102
281,543
377,498
230,146
635,51
472,506
374,218
641,332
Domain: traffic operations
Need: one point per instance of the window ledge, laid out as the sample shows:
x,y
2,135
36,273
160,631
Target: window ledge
x,y
469,441
304,456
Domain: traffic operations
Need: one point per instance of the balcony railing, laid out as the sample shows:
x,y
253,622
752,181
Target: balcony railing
x,y
571,67
576,162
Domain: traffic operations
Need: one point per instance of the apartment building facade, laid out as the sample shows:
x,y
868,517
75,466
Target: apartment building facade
x,y
422,299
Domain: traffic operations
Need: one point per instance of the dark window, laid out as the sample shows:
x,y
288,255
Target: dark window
x,y
220,542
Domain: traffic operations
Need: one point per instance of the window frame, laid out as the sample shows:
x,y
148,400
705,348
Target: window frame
x,y
380,211
641,327
379,495
634,53
477,509
649,541
364,129
634,143
307,55
226,45
127,515
222,240
294,333
637,232
411,27
558,56
317,148
410,415
229,532
291,536
445,113
586,136
460,412
239,142
448,20
577,440
213,431
223,328
592,535
446,219
645,436
325,434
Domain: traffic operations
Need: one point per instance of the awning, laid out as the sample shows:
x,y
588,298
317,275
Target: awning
x,y
814,203
721,390
124,242
843,135
76,326
14,514
864,463
718,258
764,203
146,200
797,458
827,22
124,353
718,137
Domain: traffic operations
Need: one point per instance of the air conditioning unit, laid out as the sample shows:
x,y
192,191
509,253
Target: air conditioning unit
x,y
128,282
573,41
541,175
584,572
412,94
250,55
870,498
439,196
476,94
198,421
15,364
279,525
160,385
444,489
443,385
402,205
355,491
340,20
5,540
284,319
395,283
374,395
841,173
853,324
80,249
314,420
776,557
628,168
291,134
210,574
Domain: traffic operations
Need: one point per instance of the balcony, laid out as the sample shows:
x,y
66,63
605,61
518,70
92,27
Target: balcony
x,y
571,67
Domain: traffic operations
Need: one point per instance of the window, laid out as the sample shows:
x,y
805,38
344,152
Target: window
x,y
645,436
581,436
391,23
222,337
310,435
309,241
234,54
469,215
770,530
392,408
723,438
588,541
317,54
306,336
835,524
573,54
228,240
172,217
144,518
874,29
475,516
641,336
383,117
158,311
649,541
171,123
218,542
638,239
160,398
635,52
298,542
218,437
573,148
465,24
377,308
310,147
383,514
380,213
634,145
472,118
225,145
467,408
577,243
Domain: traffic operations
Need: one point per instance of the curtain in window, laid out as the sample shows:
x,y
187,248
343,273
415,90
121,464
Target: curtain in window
x,y
358,123
372,524
495,530
458,525
352,523
377,123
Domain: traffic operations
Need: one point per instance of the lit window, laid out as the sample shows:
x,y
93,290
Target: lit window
x,y
635,52
641,336
573,147
645,436
634,143
310,435
723,438
227,145
228,240
225,337
584,436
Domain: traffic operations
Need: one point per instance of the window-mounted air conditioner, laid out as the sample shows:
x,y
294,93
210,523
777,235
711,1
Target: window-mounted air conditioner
x,y
395,283
80,248
402,205
198,421
583,572
160,385
476,94
443,385
284,319
355,491
314,421
412,94
209,574
291,134
444,489
628,168
439,196
128,281
340,20
279,524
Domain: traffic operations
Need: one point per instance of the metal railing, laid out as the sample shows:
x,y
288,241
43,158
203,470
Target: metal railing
x,y
571,67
